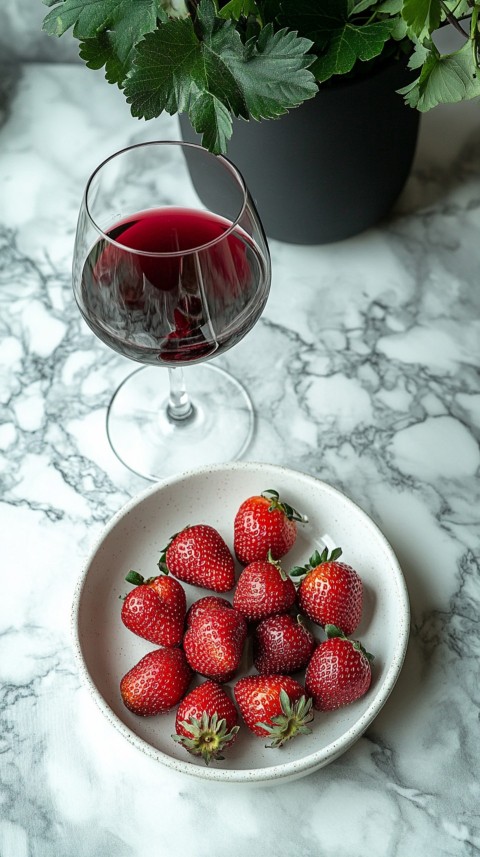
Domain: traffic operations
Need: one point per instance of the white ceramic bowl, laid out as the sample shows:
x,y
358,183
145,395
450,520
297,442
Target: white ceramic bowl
x,y
134,539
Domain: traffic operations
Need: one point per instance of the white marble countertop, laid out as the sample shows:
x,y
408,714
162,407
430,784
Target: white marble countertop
x,y
364,367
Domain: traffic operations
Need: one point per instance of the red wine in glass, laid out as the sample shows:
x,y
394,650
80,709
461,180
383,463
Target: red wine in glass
x,y
164,303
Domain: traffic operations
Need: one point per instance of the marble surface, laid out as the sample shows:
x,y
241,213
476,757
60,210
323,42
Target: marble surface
x,y
22,38
364,368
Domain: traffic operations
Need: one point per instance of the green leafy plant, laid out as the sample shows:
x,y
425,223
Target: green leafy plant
x,y
257,59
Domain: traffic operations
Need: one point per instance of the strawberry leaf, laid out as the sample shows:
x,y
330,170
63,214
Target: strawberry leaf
x,y
236,8
315,560
339,39
100,52
333,631
318,558
443,79
135,578
206,71
208,736
212,119
359,648
292,721
422,16
277,504
350,43
175,72
108,29
298,571
273,73
271,493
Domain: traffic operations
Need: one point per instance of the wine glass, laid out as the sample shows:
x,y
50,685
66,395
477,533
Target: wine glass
x,y
171,268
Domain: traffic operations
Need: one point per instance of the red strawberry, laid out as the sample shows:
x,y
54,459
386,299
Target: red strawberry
x,y
206,722
331,592
274,705
198,555
205,605
282,644
155,609
263,589
262,524
157,683
214,643
339,671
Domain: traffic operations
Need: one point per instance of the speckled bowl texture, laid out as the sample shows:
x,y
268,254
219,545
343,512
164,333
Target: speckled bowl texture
x,y
134,538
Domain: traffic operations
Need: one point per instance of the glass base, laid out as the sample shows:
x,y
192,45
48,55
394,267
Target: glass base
x,y
153,445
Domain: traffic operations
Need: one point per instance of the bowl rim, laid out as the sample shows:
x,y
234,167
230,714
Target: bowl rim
x,y
283,770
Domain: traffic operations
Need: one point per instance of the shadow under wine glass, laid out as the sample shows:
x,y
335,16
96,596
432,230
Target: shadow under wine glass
x,y
170,278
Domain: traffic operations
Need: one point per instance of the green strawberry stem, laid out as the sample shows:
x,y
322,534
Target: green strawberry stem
x,y
277,565
332,631
162,562
292,721
276,503
209,736
315,560
135,578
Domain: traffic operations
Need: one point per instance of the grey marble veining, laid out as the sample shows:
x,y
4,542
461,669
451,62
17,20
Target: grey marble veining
x,y
364,370
22,38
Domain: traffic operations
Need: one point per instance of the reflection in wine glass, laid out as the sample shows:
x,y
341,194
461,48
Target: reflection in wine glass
x,y
169,279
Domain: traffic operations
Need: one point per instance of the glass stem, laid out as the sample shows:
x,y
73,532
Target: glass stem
x,y
179,406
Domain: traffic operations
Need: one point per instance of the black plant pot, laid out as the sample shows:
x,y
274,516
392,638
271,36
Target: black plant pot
x,y
333,166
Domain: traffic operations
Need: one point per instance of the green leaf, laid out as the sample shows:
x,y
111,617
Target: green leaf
x,y
317,21
444,79
211,118
399,29
175,71
339,39
422,16
388,7
135,578
297,571
273,72
419,54
108,29
89,17
360,7
268,10
236,8
332,631
459,7
100,52
349,44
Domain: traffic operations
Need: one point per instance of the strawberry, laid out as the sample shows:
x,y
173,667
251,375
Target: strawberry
x,y
157,683
274,705
282,644
331,592
214,643
263,589
155,609
198,555
339,671
206,722
264,523
205,605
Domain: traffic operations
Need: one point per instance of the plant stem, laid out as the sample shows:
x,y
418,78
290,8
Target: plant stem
x,y
453,20
179,405
474,35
